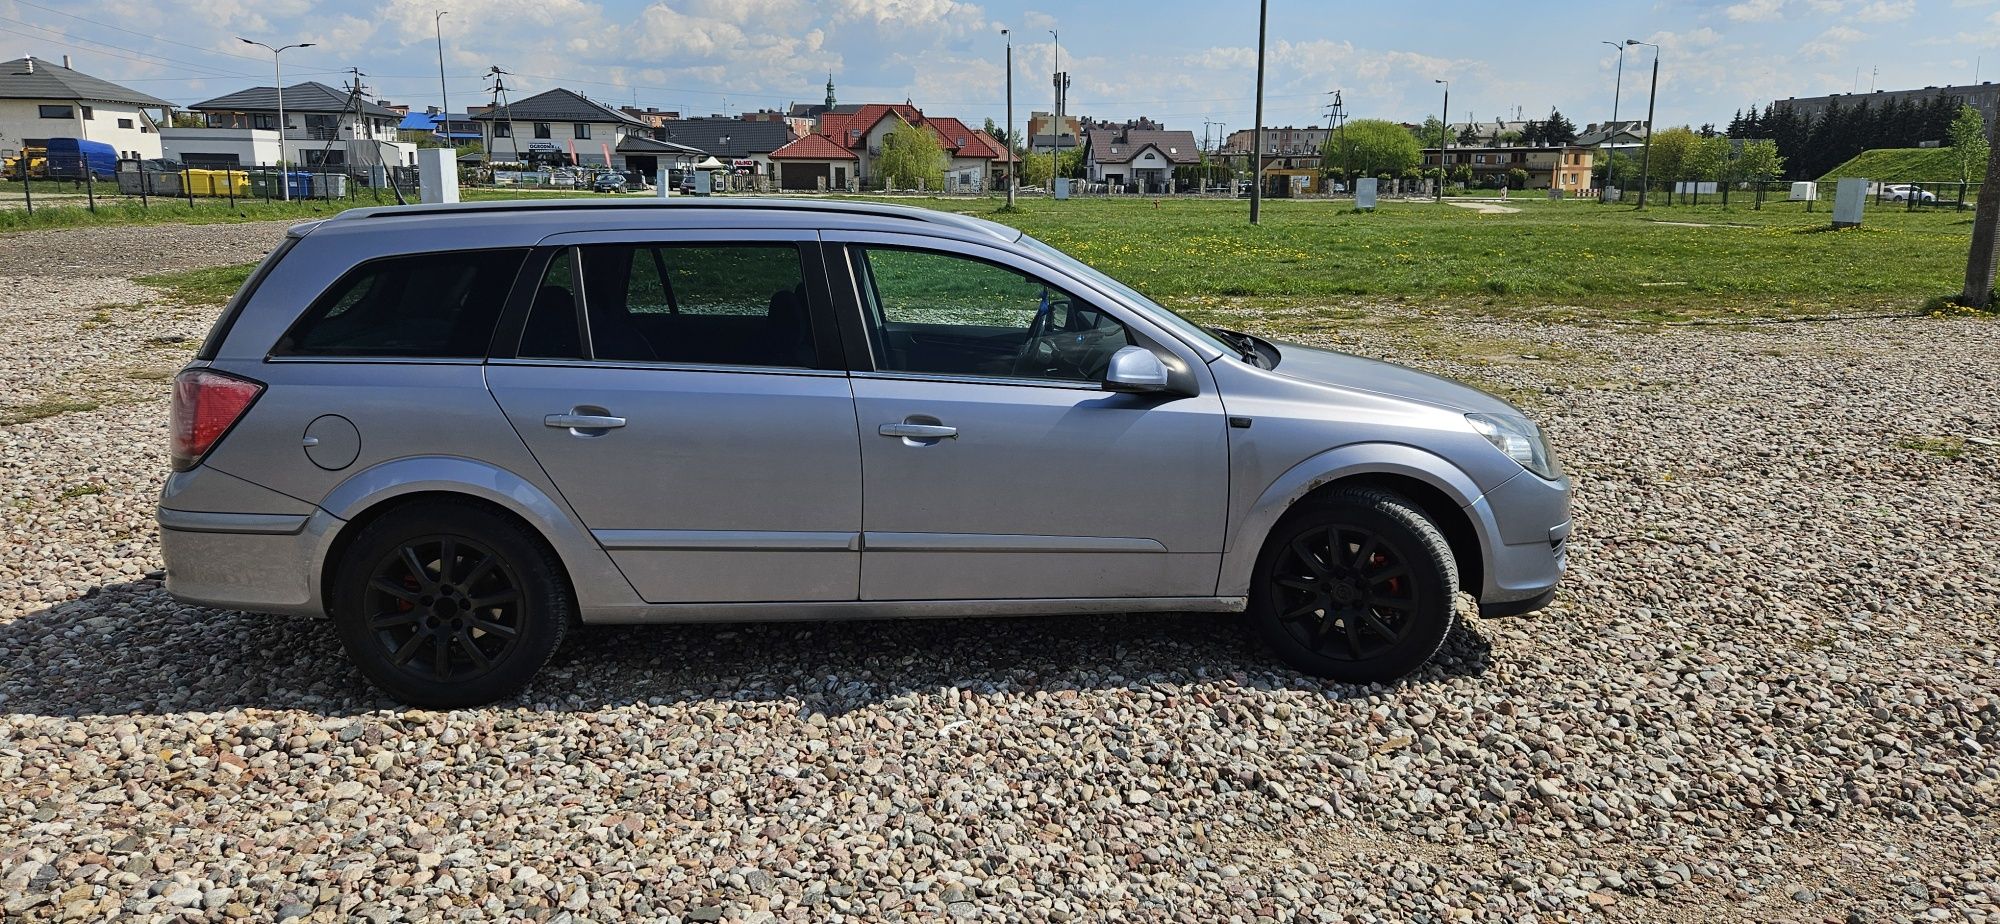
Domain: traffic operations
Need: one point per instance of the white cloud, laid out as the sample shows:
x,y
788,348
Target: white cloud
x,y
1755,10
1886,11
1832,43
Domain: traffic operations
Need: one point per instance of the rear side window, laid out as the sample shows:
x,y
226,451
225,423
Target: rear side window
x,y
432,305
712,304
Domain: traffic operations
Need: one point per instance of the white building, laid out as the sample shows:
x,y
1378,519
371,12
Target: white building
x,y
323,127
557,127
40,100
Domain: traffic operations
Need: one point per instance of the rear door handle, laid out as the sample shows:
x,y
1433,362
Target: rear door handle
x,y
583,421
911,431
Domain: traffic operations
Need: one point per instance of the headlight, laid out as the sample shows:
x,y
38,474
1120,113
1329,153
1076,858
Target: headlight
x,y
1520,439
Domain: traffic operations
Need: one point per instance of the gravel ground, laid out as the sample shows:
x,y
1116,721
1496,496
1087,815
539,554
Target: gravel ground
x,y
1770,691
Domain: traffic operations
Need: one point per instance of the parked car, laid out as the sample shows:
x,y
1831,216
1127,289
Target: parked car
x,y
1904,192
608,183
456,430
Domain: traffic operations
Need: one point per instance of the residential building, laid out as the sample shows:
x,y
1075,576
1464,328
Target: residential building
x,y
1043,136
744,145
1564,167
800,126
323,127
1983,96
654,118
1142,124
1138,160
560,127
456,128
1285,149
815,162
40,100
973,157
1625,136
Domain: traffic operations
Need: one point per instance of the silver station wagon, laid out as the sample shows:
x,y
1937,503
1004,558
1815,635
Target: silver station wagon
x,y
456,430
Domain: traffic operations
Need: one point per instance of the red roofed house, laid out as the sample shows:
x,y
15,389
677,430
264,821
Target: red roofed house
x,y
852,140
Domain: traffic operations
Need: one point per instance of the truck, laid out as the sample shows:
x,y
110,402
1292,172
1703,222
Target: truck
x,y
69,158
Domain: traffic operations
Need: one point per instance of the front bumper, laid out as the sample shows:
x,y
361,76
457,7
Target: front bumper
x,y
1529,516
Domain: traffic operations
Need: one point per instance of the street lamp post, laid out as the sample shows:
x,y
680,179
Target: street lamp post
x,y
278,77
1652,96
1617,86
1257,133
1444,135
1013,165
444,97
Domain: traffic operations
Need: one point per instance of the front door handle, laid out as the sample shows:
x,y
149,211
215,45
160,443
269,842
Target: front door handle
x,y
915,431
583,421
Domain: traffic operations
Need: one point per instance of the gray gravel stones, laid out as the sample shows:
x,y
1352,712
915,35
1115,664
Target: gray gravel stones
x,y
1770,690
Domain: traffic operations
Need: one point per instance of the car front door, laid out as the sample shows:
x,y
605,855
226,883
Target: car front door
x,y
994,464
685,394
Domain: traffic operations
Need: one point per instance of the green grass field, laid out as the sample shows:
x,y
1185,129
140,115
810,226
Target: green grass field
x,y
1561,260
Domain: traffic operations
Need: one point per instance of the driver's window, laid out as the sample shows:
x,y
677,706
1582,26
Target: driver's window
x,y
949,314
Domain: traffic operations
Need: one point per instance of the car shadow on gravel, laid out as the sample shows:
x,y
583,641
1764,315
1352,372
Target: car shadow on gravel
x,y
129,648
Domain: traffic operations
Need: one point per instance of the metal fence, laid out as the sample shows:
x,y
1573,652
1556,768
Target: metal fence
x,y
197,187
1810,196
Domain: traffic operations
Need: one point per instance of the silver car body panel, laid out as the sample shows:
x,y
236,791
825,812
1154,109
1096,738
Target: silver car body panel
x,y
774,496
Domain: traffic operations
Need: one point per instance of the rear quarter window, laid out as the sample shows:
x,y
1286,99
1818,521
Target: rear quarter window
x,y
431,305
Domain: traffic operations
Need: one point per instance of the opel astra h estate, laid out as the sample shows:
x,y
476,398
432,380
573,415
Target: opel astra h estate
x,y
456,430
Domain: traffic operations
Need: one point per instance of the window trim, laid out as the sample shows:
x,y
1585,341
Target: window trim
x,y
271,353
42,111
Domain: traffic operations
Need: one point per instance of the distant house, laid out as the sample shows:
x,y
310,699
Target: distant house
x,y
455,128
558,127
1624,136
745,145
815,162
973,157
1565,167
40,100
1138,160
324,127
1043,134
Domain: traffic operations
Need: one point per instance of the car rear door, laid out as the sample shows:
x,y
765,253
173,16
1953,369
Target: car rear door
x,y
995,466
685,392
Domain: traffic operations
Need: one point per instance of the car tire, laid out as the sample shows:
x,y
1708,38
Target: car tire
x,y
446,604
1357,585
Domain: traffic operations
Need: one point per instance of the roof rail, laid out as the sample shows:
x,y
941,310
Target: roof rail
x,y
871,209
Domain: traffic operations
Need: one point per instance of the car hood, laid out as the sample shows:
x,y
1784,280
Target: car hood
x,y
1356,373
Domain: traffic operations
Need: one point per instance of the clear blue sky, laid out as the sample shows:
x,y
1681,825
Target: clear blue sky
x,y
1180,61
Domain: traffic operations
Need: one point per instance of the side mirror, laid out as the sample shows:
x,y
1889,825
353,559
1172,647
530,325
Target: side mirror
x,y
1135,369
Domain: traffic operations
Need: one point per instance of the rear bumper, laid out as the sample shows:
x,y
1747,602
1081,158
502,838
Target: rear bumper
x,y
259,562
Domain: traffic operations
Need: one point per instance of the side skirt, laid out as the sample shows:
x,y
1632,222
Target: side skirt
x,y
906,609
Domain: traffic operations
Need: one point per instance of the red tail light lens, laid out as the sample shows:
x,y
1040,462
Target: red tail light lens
x,y
206,404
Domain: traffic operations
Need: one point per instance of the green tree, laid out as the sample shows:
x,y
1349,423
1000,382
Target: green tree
x,y
1968,143
1670,151
910,154
1371,146
1759,162
1035,169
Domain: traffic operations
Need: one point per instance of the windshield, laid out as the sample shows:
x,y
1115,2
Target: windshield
x,y
1163,314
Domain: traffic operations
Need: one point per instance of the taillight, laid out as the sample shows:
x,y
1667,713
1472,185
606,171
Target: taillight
x,y
206,404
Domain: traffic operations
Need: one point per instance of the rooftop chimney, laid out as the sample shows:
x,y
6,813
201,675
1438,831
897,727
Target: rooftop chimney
x,y
31,64
65,62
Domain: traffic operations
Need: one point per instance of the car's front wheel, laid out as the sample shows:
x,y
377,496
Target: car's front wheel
x,y
1356,585
445,604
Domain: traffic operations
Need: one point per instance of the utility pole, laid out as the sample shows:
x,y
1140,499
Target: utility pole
x,y
1055,147
499,89
444,98
1208,171
278,77
1652,96
1257,145
1013,164
1444,135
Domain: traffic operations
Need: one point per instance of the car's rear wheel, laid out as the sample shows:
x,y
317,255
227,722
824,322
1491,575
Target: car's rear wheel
x,y
1357,585
445,604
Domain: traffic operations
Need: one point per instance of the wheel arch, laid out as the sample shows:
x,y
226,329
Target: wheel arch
x,y
1440,489
369,494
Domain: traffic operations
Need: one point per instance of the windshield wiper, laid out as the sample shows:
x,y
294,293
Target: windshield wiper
x,y
1246,345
